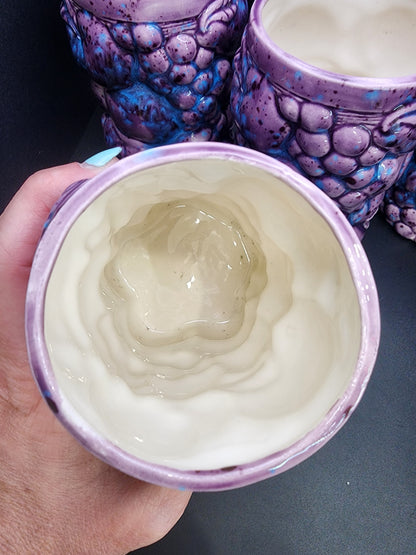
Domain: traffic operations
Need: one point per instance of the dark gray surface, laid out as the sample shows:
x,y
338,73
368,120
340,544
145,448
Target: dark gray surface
x,y
357,495
45,100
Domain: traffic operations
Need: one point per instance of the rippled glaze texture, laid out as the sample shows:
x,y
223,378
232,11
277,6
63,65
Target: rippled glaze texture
x,y
352,37
203,322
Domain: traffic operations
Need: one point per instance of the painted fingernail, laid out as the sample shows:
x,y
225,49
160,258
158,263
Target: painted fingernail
x,y
102,158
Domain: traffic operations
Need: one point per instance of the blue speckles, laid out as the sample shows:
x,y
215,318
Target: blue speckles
x,y
207,104
400,203
372,96
46,224
69,191
99,51
144,117
358,216
298,75
176,75
51,403
203,82
396,127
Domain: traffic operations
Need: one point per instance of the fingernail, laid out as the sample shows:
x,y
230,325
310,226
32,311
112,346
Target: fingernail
x,y
102,158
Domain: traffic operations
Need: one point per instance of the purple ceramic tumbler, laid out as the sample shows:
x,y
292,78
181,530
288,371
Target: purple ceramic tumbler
x,y
399,204
195,331
161,70
330,88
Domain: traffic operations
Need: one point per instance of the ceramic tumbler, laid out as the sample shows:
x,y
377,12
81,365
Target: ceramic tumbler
x,y
399,203
194,330
161,71
330,88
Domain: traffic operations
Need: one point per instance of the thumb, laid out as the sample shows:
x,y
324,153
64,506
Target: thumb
x,y
22,221
21,226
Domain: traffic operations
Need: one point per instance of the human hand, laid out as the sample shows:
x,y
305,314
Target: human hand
x,y
55,497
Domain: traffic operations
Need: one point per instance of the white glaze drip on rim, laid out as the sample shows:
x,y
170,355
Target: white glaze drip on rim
x,y
350,37
200,401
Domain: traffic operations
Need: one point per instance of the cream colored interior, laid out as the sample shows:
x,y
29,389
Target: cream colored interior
x,y
366,38
202,314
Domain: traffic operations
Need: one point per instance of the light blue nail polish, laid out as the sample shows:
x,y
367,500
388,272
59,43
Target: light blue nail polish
x,y
102,158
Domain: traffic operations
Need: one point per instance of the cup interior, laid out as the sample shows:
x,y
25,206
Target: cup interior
x,y
357,38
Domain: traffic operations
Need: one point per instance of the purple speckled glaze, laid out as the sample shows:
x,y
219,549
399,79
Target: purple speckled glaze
x,y
352,136
75,202
399,204
161,70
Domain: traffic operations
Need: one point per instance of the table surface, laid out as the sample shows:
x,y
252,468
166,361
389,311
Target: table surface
x,y
357,495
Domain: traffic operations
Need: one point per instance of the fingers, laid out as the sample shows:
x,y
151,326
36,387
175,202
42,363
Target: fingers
x,y
163,509
21,226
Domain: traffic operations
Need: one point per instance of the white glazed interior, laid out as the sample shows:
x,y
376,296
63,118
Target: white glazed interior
x,y
197,400
366,38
